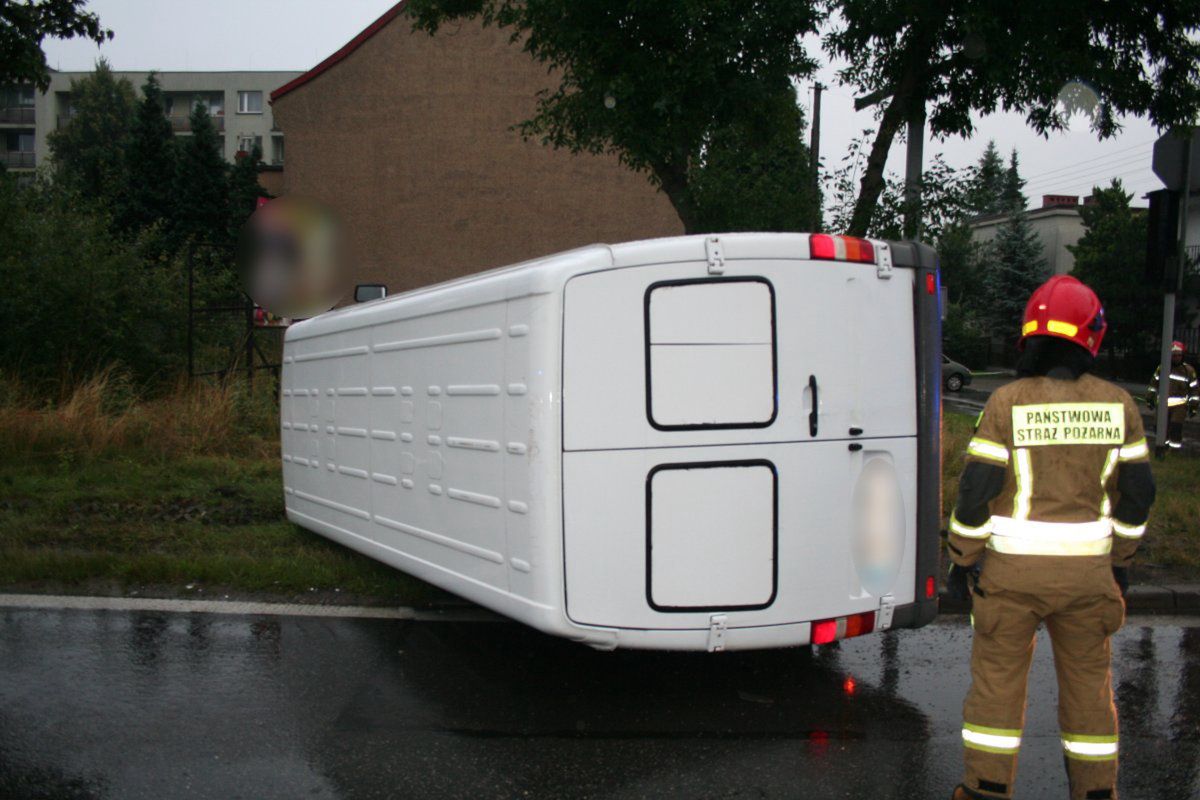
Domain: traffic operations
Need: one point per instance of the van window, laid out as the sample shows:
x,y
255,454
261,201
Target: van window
x,y
712,535
710,354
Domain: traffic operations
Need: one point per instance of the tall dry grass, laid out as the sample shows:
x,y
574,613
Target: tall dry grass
x,y
104,415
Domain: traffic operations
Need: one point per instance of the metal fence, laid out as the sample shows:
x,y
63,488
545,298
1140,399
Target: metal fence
x,y
17,159
17,115
235,341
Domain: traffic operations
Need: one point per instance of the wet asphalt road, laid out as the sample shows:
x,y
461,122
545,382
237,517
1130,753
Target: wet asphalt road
x,y
157,705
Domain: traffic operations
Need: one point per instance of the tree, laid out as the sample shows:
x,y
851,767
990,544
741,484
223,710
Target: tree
x,y
1110,258
958,256
150,161
1012,194
244,189
201,184
1013,266
668,87
946,61
76,297
986,185
756,174
943,205
89,151
24,24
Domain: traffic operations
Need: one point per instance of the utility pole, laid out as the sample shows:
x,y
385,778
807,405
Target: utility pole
x,y
1173,285
814,151
914,168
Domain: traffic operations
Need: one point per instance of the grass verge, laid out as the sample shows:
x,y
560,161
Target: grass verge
x,y
176,496
180,496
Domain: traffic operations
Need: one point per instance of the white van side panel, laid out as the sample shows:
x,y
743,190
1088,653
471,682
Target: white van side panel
x,y
412,441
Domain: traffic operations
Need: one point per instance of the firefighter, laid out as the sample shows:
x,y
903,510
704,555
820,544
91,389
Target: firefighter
x,y
1183,397
1052,504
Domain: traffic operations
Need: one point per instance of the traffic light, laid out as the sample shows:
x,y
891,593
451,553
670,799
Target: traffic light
x,y
1162,240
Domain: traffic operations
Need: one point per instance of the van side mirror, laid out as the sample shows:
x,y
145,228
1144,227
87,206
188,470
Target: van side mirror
x,y
366,292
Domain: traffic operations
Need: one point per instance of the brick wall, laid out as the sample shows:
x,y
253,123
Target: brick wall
x,y
408,140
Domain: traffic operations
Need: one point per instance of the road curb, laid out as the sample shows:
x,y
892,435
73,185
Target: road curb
x,y
1175,598
52,602
1178,599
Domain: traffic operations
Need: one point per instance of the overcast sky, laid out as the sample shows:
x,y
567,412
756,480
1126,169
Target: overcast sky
x,y
297,34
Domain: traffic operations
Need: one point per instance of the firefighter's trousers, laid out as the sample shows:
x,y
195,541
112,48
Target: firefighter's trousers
x,y
1080,628
1175,417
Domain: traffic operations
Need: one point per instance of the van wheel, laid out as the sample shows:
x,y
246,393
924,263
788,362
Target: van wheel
x,y
954,383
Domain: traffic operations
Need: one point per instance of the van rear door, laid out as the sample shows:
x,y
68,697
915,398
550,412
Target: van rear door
x,y
715,427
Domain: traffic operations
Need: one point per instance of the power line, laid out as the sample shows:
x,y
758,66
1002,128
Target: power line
x,y
1109,177
1066,173
1089,178
1073,165
1087,173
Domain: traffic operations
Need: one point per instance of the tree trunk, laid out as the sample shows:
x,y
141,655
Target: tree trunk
x,y
673,183
871,185
897,113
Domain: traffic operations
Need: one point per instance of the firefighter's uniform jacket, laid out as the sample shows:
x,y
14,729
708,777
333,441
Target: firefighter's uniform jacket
x,y
1055,492
1183,397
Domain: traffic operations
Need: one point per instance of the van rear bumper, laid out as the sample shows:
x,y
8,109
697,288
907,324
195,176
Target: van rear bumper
x,y
754,637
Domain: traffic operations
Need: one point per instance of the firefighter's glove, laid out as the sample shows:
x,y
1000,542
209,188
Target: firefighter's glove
x,y
1121,576
959,582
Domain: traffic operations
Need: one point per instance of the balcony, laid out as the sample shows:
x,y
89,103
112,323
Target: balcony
x,y
17,159
182,123
16,115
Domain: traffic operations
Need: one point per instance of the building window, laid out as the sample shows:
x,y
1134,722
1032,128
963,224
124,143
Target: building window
x,y
246,144
213,102
16,105
250,102
277,150
18,141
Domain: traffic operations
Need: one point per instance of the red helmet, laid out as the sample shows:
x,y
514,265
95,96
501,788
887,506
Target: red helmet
x,y
1177,347
1065,307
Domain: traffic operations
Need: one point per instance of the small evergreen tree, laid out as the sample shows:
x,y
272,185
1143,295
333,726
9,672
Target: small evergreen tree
x,y
244,190
1012,195
1013,267
986,185
201,185
89,151
1110,258
150,162
958,255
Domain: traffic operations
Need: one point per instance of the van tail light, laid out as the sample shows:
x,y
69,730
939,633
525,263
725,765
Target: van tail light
x,y
825,631
930,588
930,283
825,247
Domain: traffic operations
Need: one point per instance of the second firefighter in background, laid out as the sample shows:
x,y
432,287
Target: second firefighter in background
x,y
1183,395
1052,504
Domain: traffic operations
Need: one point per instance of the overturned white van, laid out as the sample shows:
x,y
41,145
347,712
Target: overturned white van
x,y
691,443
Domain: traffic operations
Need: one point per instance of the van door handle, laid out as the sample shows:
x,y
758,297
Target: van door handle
x,y
812,415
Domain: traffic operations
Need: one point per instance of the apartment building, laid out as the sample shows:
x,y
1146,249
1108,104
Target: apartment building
x,y
237,101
